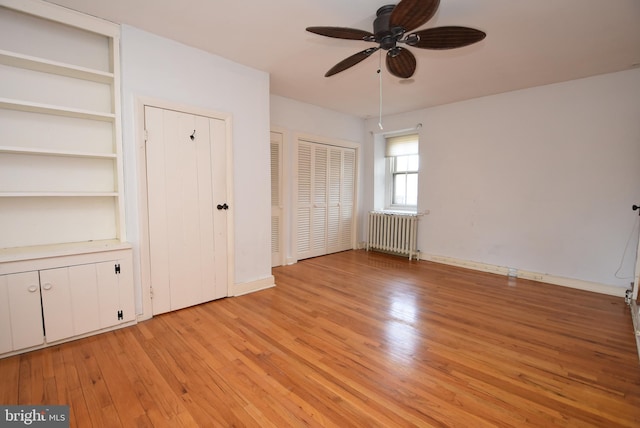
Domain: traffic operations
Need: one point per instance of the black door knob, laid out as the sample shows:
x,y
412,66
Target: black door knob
x,y
223,206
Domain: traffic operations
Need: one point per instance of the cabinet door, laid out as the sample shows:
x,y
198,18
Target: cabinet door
x,y
56,304
126,294
85,298
83,291
21,317
116,292
6,344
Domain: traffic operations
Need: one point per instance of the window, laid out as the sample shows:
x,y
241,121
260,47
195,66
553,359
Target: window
x,y
402,172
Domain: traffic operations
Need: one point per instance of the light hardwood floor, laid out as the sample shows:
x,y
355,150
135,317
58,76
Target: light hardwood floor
x,y
356,339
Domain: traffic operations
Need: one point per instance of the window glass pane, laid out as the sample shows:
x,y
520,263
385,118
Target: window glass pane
x,y
412,189
399,189
413,163
401,164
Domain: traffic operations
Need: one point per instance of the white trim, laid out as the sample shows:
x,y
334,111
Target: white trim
x,y
291,261
114,46
535,276
61,14
250,287
636,276
143,213
310,138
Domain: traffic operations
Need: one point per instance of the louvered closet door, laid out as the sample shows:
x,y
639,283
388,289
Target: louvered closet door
x,y
347,197
319,198
326,177
276,199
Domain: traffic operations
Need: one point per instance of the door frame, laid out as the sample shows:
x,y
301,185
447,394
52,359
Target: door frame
x,y
143,208
636,274
314,139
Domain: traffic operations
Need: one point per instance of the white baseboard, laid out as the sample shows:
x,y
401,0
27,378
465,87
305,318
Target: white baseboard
x,y
535,276
250,287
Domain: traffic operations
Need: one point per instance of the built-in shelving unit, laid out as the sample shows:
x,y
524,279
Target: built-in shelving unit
x,y
60,149
65,266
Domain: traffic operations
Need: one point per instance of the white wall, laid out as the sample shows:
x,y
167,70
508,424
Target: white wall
x,y
293,119
159,68
541,179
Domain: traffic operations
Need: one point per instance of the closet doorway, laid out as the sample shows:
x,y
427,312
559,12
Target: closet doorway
x,y
325,198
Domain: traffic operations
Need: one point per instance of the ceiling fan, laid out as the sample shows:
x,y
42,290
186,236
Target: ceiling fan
x,y
390,29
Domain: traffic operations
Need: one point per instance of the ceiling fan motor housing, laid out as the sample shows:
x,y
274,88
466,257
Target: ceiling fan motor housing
x,y
386,36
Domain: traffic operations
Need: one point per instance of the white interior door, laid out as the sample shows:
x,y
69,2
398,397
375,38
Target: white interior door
x,y
276,199
187,208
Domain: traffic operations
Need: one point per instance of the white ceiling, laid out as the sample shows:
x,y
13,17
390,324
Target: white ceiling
x,y
528,43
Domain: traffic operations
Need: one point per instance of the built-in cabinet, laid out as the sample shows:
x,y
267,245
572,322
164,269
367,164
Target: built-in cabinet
x,y
326,177
47,300
65,266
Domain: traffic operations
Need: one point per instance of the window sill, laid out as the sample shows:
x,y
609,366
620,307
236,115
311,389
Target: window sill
x,y
399,211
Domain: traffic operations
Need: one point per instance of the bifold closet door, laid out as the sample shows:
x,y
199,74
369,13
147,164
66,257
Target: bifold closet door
x,y
341,176
325,195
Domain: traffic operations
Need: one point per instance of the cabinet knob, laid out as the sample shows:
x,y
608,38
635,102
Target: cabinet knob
x,y
32,288
47,286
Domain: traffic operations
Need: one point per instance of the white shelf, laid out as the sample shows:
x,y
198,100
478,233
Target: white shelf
x,y
63,153
47,66
58,194
60,250
10,104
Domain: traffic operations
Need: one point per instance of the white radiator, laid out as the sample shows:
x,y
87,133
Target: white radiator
x,y
393,233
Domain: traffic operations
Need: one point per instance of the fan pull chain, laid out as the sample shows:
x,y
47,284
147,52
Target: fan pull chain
x,y
380,80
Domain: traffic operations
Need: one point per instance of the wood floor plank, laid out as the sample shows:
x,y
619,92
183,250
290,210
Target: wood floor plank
x,y
350,340
9,380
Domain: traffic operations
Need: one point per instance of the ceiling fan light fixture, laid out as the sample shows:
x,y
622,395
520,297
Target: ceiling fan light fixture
x,y
411,39
391,24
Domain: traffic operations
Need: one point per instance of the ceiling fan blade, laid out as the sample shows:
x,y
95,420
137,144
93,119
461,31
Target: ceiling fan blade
x,y
410,14
341,33
401,62
445,37
350,61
